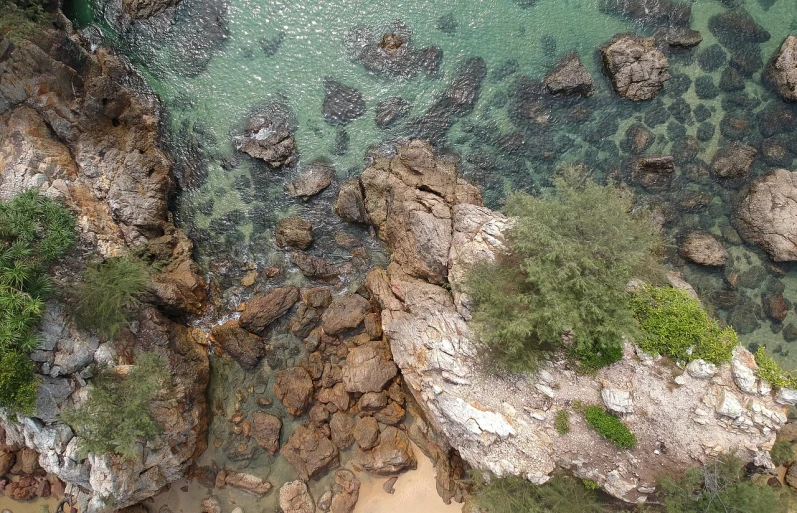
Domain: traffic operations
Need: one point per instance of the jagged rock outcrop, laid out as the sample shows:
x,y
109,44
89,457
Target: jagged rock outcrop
x,y
74,129
636,67
392,53
782,70
507,426
569,77
267,136
767,214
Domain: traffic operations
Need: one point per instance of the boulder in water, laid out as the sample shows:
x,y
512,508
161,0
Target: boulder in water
x,y
782,71
703,248
737,28
569,77
733,161
142,9
310,452
267,136
294,232
636,67
311,180
653,12
390,111
392,53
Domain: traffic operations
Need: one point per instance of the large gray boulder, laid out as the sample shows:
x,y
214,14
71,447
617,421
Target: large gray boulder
x,y
702,248
267,136
569,77
636,67
782,70
767,215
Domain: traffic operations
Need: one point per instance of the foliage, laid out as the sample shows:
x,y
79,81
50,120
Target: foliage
x,y
563,277
610,427
562,422
108,294
677,326
771,372
116,417
718,488
22,19
34,232
515,495
782,453
589,484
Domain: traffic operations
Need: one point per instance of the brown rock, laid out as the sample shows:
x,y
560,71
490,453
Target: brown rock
x,y
336,395
767,212
733,161
27,461
310,452
373,326
391,414
366,433
368,368
703,248
304,321
775,306
293,232
266,307
569,77
653,173
347,491
318,415
7,460
295,498
341,426
389,485
244,347
314,267
294,387
345,312
278,148
311,180
372,401
179,286
350,205
210,505
392,455
266,431
637,69
782,70
319,297
248,483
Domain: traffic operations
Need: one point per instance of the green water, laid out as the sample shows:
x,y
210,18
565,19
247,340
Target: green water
x,y
208,90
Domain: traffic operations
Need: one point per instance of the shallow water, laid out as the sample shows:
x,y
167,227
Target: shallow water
x,y
272,50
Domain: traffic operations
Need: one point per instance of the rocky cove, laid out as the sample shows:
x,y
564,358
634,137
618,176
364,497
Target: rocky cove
x,y
323,331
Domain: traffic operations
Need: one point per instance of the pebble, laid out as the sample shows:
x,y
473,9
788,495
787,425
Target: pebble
x,y
681,380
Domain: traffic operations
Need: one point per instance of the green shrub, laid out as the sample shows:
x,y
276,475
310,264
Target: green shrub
x,y
720,487
108,294
782,453
34,232
516,495
771,372
675,325
565,272
562,422
610,427
116,417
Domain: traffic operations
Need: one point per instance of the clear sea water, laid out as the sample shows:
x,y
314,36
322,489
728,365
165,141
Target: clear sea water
x,y
208,86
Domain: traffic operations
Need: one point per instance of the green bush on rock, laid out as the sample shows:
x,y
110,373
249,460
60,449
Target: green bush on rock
x,y
771,372
610,427
116,416
34,232
108,294
563,279
514,494
720,487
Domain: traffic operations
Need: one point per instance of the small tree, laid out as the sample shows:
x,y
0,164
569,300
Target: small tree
x,y
514,494
116,417
564,276
108,294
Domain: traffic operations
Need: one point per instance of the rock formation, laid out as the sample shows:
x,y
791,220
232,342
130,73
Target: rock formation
x,y
569,77
506,425
267,136
782,71
767,215
74,129
637,69
702,248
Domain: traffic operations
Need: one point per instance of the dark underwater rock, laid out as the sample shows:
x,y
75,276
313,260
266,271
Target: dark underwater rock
x,y
652,12
737,27
712,58
391,53
390,111
733,161
342,104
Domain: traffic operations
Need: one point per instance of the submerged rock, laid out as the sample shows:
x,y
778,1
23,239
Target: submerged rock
x,y
655,12
295,498
392,54
569,77
637,69
310,452
782,70
342,104
311,180
736,28
733,161
390,111
703,248
267,136
142,9
767,215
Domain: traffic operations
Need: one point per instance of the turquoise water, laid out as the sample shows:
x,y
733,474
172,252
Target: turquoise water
x,y
213,63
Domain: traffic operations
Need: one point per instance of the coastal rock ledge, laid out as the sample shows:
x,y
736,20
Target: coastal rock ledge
x,y
506,424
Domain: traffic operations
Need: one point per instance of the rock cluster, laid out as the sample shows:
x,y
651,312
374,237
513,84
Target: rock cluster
x,y
506,426
392,53
55,121
636,67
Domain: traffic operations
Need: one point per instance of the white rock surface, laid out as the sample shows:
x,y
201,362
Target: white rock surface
x,y
618,401
701,369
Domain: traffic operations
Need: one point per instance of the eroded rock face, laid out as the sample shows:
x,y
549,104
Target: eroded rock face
x,y
569,77
782,71
767,215
60,111
507,427
703,248
637,69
